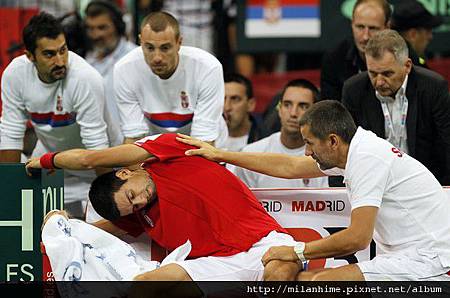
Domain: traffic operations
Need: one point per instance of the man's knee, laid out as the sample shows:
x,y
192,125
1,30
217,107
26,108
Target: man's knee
x,y
347,272
279,270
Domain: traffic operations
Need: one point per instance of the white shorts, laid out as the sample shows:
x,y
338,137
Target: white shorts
x,y
404,266
244,266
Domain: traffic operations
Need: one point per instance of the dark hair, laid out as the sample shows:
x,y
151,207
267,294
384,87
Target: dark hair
x,y
159,21
101,195
238,78
329,117
99,7
303,83
385,6
40,26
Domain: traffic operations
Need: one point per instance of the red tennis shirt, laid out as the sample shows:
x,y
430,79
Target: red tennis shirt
x,y
197,200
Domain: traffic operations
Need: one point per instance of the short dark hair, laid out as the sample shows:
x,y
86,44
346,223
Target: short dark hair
x,y
160,20
327,117
101,195
385,6
40,26
303,83
99,7
240,79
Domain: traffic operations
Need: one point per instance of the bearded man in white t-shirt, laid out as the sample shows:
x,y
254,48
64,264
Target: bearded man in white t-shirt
x,y
395,200
62,95
162,86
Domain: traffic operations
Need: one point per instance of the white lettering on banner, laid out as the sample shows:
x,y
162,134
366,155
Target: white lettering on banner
x,y
50,195
26,223
11,270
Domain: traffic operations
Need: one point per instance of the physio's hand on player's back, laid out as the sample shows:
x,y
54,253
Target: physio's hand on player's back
x,y
205,150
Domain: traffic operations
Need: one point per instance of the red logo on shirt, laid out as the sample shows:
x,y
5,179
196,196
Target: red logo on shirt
x,y
59,106
184,99
397,151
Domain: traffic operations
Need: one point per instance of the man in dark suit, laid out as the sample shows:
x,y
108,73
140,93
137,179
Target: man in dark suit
x,y
405,104
347,58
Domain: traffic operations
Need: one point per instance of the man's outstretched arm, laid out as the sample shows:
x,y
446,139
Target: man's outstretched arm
x,y
82,159
272,164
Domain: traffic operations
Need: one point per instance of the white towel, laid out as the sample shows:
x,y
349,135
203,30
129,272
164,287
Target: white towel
x,y
81,252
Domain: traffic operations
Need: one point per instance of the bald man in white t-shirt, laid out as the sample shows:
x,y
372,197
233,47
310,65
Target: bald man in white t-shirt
x,y
395,200
165,87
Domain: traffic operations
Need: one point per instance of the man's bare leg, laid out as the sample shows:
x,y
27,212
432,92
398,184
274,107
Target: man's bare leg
x,y
348,272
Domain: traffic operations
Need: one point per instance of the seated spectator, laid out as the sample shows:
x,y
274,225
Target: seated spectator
x,y
415,24
105,30
296,97
243,128
405,104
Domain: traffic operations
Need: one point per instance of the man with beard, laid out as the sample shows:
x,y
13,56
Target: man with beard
x,y
394,199
105,30
296,98
63,97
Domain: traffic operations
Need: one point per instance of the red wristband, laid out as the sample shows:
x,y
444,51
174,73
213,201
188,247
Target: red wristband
x,y
46,160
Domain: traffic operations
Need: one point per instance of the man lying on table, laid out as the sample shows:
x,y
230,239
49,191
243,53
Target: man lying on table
x,y
173,198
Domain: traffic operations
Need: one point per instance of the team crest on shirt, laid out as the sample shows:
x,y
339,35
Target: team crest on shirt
x,y
59,106
184,99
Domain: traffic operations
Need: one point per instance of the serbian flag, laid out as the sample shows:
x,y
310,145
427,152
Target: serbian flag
x,y
282,18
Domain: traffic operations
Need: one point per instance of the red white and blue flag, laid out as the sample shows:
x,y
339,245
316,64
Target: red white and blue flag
x,y
282,18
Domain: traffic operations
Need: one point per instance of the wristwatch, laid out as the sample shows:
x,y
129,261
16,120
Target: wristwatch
x,y
299,248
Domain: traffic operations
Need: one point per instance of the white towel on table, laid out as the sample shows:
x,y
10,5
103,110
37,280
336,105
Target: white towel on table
x,y
81,252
